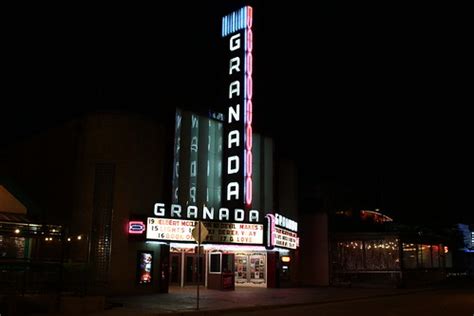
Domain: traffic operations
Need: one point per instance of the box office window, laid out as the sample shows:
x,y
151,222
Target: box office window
x,y
215,262
228,263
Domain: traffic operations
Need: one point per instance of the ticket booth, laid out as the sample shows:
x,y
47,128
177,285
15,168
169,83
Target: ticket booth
x,y
221,271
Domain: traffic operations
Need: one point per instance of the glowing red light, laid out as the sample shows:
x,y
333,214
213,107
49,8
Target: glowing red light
x,y
249,64
249,87
249,17
249,40
249,191
249,163
249,110
249,139
136,227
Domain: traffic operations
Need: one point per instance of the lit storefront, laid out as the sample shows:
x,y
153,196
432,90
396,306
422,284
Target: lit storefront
x,y
236,251
248,254
388,259
29,256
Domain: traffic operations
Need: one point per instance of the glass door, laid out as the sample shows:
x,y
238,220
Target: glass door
x,y
257,268
175,268
241,262
250,268
191,273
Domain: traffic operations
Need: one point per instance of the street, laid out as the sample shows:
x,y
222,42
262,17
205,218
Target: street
x,y
430,303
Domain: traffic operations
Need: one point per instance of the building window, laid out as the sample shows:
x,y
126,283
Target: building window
x,y
435,255
382,254
409,256
348,255
425,256
12,247
197,164
101,241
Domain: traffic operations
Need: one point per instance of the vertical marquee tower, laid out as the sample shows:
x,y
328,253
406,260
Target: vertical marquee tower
x,y
237,152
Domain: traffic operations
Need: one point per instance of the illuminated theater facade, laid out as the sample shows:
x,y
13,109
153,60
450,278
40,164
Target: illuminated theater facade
x,y
222,177
133,188
240,245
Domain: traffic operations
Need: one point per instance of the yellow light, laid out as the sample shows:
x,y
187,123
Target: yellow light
x,y
285,259
79,237
17,231
69,239
46,238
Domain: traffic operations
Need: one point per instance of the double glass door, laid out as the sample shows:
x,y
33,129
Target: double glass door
x,y
250,268
194,267
175,269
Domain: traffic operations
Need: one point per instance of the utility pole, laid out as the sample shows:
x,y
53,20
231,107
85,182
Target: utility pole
x,y
199,233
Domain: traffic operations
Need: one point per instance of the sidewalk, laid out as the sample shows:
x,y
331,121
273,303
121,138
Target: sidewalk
x,y
182,301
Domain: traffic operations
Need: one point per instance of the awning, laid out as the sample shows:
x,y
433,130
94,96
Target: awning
x,y
14,218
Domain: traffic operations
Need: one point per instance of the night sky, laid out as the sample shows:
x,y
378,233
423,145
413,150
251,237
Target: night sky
x,y
374,98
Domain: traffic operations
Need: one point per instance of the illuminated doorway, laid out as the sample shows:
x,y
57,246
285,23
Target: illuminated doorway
x,y
250,268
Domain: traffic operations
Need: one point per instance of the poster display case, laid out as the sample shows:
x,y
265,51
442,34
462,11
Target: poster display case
x,y
144,267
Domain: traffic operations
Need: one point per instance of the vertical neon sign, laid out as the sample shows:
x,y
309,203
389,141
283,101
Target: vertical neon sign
x,y
237,153
248,107
270,230
193,158
177,149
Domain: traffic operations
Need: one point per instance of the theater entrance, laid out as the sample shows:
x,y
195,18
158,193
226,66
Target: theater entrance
x,y
250,269
194,267
175,269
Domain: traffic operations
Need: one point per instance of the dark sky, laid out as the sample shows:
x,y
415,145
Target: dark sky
x,y
347,89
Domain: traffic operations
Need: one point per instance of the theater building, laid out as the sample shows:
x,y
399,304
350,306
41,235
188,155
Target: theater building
x,y
131,200
240,246
142,190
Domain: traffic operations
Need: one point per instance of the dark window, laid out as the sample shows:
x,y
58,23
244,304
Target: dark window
x,y
215,266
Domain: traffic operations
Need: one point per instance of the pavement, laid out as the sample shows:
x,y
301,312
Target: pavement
x,y
183,301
